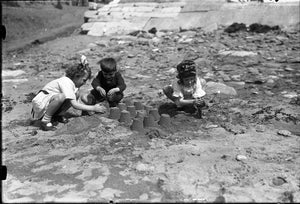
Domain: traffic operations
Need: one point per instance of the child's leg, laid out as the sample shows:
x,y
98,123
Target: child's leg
x,y
63,108
115,99
55,103
168,91
88,99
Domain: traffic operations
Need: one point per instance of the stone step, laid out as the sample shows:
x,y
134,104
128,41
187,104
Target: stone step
x,y
122,16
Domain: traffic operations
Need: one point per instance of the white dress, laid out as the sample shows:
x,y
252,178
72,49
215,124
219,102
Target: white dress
x,y
41,101
195,91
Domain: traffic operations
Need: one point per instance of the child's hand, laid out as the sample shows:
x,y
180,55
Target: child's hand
x,y
101,91
112,91
199,102
99,108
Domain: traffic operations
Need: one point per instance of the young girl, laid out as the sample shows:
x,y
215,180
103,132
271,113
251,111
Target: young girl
x,y
57,96
187,91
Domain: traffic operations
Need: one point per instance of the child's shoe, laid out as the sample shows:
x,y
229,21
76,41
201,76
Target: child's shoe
x,y
89,113
46,126
60,118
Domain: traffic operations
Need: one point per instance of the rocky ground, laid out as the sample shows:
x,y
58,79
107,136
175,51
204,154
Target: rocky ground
x,y
244,149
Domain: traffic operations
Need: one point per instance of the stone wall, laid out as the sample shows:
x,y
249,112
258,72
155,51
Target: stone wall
x,y
123,16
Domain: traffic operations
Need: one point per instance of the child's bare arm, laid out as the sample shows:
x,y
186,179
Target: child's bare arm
x,y
101,91
183,102
80,106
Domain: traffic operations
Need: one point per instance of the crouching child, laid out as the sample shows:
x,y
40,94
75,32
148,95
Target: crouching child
x,y
57,96
108,85
187,90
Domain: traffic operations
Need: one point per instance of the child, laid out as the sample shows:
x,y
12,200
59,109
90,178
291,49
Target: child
x,y
187,91
107,85
57,96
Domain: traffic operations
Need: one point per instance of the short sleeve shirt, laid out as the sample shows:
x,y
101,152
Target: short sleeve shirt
x,y
62,85
195,91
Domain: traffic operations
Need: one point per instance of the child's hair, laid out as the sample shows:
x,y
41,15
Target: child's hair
x,y
186,68
78,70
108,65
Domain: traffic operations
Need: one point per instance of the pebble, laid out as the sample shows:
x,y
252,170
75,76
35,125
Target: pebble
x,y
143,197
278,181
288,69
290,95
260,128
269,93
220,199
131,56
141,167
209,126
284,133
241,157
270,81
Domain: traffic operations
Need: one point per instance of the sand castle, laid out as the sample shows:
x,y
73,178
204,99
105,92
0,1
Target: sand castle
x,y
138,117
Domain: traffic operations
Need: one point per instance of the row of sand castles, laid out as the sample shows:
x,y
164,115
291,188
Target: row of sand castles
x,y
138,116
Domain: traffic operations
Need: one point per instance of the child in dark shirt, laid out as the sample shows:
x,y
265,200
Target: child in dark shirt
x,y
107,85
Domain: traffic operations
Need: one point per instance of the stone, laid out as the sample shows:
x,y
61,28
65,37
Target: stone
x,y
143,197
211,27
284,133
12,73
278,181
238,53
260,128
288,69
15,80
290,95
141,167
241,157
216,87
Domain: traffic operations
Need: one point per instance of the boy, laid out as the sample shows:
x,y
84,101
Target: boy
x,y
57,96
107,85
187,91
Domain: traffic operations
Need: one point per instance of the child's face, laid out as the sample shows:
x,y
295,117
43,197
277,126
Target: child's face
x,y
189,81
81,80
109,75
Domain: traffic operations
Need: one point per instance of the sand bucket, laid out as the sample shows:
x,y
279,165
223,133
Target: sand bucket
x,y
137,125
114,113
138,105
154,113
132,111
149,121
165,120
122,106
125,117
147,108
128,102
141,114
